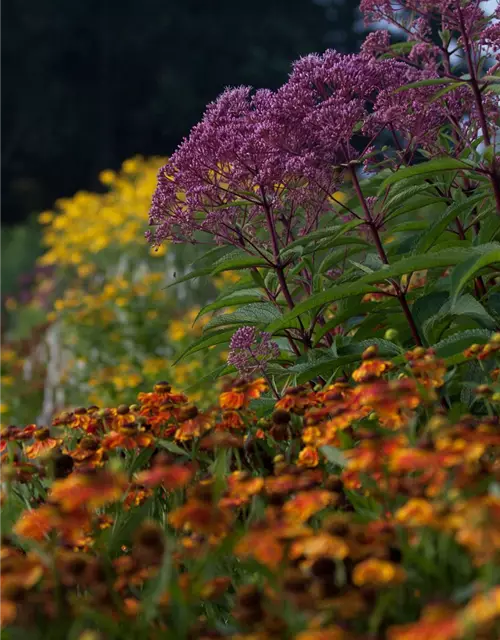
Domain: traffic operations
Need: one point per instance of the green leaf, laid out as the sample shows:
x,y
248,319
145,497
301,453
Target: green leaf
x,y
467,306
251,314
430,236
197,273
235,300
445,90
205,341
482,257
425,168
459,342
234,263
328,232
415,205
429,82
172,447
334,455
444,258
403,194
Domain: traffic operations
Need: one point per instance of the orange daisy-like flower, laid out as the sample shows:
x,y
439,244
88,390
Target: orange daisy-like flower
x,y
327,633
297,400
128,437
371,369
36,524
416,513
261,544
241,488
161,405
447,629
193,425
170,477
241,393
90,489
308,457
79,419
43,443
201,517
230,420
305,504
88,453
374,572
319,546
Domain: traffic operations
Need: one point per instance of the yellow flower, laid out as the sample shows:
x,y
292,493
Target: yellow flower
x,y
46,217
4,408
158,252
107,177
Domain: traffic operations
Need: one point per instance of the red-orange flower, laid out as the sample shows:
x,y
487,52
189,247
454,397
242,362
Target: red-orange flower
x,y
308,457
90,489
201,517
241,393
43,443
169,477
305,504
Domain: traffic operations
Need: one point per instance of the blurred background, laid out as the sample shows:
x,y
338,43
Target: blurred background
x,y
93,93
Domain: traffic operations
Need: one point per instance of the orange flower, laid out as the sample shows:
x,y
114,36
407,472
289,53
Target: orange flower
x,y
201,517
371,369
241,488
328,633
91,489
8,612
447,629
261,544
195,424
128,437
297,399
319,546
308,457
305,504
36,524
243,391
169,477
43,443
416,513
374,572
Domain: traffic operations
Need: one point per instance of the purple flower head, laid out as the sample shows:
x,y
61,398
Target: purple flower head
x,y
250,350
230,179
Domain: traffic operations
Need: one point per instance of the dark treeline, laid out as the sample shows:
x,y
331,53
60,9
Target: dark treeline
x,y
88,84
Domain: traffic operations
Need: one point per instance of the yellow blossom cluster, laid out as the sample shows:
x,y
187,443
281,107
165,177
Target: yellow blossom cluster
x,y
88,223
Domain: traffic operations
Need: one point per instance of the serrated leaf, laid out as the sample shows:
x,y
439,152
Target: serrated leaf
x,y
234,263
459,342
445,258
429,237
429,82
251,314
328,232
425,168
465,271
205,341
234,300
467,306
197,273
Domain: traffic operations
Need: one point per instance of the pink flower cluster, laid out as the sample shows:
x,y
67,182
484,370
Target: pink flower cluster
x,y
250,350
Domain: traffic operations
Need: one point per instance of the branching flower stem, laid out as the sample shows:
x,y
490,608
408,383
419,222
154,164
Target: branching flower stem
x,y
371,224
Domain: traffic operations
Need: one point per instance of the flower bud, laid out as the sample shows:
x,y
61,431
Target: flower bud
x,y
392,335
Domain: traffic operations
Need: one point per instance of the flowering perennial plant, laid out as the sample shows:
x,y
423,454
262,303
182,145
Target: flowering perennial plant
x,y
359,171
356,509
